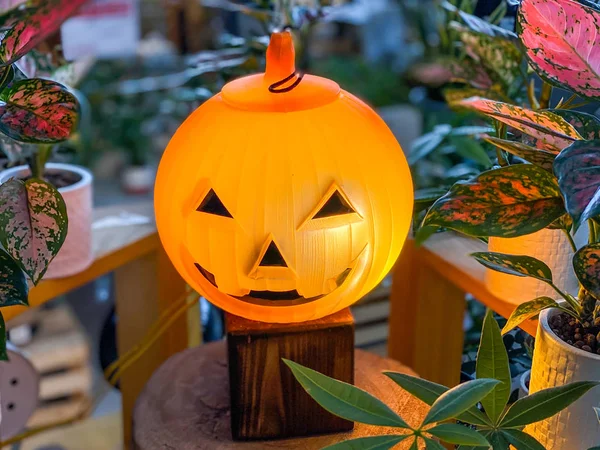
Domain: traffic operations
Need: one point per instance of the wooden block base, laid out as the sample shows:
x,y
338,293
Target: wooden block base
x,y
266,400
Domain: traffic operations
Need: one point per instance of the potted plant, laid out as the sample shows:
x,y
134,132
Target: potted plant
x,y
495,425
35,114
527,128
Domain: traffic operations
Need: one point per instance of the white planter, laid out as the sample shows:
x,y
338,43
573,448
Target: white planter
x,y
556,363
76,253
550,246
138,179
523,384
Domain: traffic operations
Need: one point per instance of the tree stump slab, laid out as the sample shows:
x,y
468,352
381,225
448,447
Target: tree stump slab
x,y
185,405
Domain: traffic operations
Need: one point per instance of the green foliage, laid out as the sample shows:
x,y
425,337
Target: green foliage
x,y
497,425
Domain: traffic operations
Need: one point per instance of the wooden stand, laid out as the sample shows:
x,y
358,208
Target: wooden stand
x,y
266,400
185,405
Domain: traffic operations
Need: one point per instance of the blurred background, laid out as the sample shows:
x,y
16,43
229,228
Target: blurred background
x,y
140,67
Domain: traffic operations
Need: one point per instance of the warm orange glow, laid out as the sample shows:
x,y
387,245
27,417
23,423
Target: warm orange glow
x,y
283,207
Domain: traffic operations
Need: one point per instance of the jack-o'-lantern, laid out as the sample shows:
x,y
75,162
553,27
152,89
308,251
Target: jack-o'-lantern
x,y
283,198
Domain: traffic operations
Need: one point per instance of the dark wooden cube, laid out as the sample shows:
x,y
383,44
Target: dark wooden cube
x,y
266,400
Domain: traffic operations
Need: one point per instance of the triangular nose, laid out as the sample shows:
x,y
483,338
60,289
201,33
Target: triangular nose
x,y
272,257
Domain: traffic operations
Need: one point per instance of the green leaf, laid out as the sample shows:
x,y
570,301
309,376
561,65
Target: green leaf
x,y
539,157
424,233
345,400
33,224
469,148
459,399
565,222
415,444
457,434
470,130
519,265
528,310
551,130
492,362
453,95
544,403
428,195
38,111
424,145
498,440
522,441
369,443
13,284
500,57
506,202
586,263
431,444
578,170
42,21
428,392
3,352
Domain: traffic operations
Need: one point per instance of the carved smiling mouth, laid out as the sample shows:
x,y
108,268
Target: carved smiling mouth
x,y
274,298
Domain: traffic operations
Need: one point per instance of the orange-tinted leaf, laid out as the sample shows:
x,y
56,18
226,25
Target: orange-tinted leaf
x,y
528,310
507,202
33,224
38,111
587,125
45,18
539,157
586,263
562,42
550,129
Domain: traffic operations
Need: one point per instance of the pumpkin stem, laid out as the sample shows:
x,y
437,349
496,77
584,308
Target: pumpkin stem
x,y
280,57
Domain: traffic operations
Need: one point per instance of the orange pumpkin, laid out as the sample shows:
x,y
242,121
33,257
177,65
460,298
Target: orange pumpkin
x,y
282,198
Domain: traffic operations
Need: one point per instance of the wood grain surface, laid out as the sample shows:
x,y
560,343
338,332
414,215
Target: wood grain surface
x,y
185,405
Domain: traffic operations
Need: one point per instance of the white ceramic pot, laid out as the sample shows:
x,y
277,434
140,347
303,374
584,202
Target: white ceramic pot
x,y
138,179
556,363
550,246
76,253
524,384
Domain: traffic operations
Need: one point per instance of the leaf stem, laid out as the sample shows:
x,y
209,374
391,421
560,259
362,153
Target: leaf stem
x,y
533,101
593,235
567,103
501,133
571,240
545,95
570,300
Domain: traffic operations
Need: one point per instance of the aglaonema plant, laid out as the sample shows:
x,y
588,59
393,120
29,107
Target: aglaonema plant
x,y
481,404
35,113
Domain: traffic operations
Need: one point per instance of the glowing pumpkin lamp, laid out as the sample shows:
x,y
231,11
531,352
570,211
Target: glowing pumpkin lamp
x,y
283,198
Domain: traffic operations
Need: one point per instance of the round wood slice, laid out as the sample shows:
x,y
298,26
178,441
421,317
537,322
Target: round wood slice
x,y
185,405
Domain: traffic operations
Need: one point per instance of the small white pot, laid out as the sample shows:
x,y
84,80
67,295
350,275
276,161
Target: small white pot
x,y
556,363
138,179
523,385
550,246
76,253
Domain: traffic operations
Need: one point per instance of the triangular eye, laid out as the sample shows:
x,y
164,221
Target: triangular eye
x,y
213,205
336,205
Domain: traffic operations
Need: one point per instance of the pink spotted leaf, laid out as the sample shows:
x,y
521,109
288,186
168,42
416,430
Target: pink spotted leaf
x,y
578,170
587,125
38,111
507,202
13,284
551,130
539,157
33,224
562,42
45,18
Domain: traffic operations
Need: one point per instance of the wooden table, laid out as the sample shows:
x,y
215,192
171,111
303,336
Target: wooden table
x,y
185,405
145,284
428,304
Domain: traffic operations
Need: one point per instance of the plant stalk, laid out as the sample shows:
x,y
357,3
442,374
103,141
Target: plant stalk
x,y
571,240
545,95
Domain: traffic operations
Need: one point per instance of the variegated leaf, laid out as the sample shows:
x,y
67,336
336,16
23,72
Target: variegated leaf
x,y
562,42
455,94
38,111
565,222
552,130
33,224
507,202
578,170
13,284
528,310
45,18
11,10
469,72
500,57
587,125
479,25
519,265
539,157
586,263
3,352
